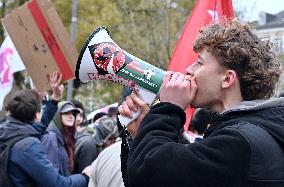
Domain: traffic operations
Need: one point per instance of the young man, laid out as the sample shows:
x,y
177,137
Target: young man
x,y
22,156
235,75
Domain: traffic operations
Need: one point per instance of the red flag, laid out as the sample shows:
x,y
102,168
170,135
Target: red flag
x,y
203,12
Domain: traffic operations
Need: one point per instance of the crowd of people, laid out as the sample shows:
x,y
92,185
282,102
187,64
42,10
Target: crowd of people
x,y
43,142
235,137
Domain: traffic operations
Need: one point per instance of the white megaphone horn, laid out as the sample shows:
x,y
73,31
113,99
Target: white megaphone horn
x,y
102,59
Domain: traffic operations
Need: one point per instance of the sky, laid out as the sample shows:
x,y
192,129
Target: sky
x,y
253,7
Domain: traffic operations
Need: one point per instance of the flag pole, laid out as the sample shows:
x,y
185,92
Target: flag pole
x,y
73,37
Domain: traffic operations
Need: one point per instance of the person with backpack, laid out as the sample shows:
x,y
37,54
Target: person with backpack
x,y
22,156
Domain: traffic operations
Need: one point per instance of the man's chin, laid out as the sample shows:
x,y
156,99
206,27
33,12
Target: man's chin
x,y
193,104
197,105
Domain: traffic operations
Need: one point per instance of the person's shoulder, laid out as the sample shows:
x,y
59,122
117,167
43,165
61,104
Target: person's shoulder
x,y
86,141
234,132
112,150
238,126
51,139
246,128
26,148
50,135
26,143
117,144
253,133
3,120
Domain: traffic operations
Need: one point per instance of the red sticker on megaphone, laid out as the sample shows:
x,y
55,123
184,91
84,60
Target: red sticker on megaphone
x,y
109,57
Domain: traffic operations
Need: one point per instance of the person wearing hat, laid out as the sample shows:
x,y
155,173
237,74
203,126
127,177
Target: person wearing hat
x,y
59,140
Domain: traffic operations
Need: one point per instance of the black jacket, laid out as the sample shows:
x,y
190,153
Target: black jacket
x,y
86,151
243,147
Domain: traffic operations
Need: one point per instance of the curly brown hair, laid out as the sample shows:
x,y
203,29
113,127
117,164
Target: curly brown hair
x,y
236,47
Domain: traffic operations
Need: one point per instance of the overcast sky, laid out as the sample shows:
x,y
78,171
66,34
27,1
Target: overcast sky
x,y
253,7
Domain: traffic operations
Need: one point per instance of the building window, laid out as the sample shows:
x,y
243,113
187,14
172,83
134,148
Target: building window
x,y
278,44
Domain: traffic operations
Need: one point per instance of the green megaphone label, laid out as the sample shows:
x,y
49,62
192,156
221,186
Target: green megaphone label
x,y
108,58
144,75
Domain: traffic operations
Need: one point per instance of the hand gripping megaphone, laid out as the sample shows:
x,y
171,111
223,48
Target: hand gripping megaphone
x,y
102,59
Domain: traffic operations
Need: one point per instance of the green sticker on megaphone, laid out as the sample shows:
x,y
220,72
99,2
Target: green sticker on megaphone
x,y
143,74
110,59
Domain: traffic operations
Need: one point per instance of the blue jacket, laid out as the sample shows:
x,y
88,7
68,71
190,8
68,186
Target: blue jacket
x,y
54,144
29,166
27,161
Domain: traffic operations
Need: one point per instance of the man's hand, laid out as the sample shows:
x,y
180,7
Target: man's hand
x,y
178,89
130,105
56,85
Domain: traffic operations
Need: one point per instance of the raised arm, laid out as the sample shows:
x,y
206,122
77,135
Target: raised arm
x,y
50,106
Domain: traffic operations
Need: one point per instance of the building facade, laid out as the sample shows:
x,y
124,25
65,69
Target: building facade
x,y
272,27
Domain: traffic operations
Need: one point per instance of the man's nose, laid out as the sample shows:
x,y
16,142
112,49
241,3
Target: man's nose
x,y
189,69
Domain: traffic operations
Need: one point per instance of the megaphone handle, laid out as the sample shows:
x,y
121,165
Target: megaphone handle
x,y
126,121
144,94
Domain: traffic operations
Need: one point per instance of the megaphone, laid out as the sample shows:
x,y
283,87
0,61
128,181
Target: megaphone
x,y
102,59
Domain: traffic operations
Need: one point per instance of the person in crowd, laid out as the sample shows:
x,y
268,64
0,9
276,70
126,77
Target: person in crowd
x,y
235,76
81,116
198,125
22,156
92,139
98,116
104,132
106,169
85,145
59,140
113,112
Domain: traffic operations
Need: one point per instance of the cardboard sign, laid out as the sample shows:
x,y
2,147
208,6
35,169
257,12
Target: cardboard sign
x,y
42,41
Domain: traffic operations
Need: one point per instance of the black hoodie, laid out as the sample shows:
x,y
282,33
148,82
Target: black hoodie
x,y
243,147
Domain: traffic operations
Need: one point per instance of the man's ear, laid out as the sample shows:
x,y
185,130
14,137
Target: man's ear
x,y
230,78
38,117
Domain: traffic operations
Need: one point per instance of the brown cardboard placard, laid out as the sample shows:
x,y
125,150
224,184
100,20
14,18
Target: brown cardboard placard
x,y
42,41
